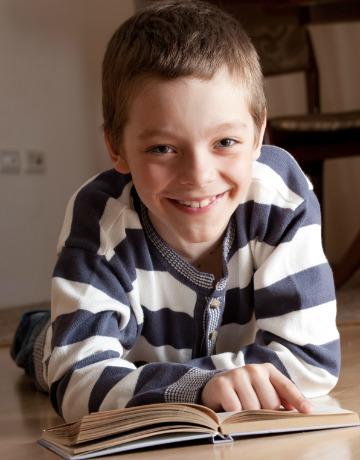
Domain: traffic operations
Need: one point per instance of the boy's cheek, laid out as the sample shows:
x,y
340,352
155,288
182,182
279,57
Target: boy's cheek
x,y
146,181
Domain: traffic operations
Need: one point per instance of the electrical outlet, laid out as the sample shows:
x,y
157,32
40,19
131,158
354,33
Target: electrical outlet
x,y
35,161
10,162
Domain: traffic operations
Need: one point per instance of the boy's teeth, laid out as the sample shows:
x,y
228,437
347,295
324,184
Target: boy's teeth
x,y
197,204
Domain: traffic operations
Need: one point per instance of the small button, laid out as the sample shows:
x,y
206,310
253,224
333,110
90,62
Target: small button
x,y
213,335
215,303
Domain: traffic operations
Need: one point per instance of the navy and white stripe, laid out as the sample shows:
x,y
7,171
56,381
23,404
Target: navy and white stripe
x,y
134,323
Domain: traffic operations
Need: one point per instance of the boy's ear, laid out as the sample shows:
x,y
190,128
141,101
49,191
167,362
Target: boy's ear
x,y
257,149
118,160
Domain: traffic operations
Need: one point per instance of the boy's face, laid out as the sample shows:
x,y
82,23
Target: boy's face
x,y
189,146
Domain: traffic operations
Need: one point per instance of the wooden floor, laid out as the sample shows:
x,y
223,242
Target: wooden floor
x,y
24,412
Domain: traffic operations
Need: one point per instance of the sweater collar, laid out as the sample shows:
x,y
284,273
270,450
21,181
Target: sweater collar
x,y
181,265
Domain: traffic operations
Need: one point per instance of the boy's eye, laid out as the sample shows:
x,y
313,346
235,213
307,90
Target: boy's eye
x,y
226,142
160,149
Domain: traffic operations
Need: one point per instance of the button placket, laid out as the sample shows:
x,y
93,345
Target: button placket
x,y
214,310
214,303
213,335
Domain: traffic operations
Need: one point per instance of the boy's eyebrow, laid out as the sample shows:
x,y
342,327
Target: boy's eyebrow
x,y
151,132
228,125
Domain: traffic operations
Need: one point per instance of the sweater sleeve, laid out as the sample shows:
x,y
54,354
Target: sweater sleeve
x,y
295,305
93,329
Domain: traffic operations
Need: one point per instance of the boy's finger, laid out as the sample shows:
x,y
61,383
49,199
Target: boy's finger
x,y
287,405
230,401
267,395
247,395
288,392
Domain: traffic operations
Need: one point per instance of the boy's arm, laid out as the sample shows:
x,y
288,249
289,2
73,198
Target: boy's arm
x,y
93,330
295,312
88,359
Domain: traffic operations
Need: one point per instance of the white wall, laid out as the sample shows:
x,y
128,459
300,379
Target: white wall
x,y
338,53
51,55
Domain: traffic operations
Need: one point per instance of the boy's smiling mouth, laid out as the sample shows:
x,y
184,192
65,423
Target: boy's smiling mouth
x,y
201,203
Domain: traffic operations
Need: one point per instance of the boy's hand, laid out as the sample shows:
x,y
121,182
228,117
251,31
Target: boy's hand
x,y
254,386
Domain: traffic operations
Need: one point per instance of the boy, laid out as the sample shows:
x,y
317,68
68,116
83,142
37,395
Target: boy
x,y
193,271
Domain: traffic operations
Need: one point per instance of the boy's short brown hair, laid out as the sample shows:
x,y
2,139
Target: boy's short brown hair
x,y
171,39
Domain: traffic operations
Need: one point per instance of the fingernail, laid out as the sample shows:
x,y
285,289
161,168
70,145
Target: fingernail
x,y
306,407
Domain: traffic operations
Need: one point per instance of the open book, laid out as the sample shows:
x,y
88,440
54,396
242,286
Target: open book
x,y
119,430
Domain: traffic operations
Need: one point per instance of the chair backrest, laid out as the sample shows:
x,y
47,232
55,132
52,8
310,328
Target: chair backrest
x,y
286,48
282,39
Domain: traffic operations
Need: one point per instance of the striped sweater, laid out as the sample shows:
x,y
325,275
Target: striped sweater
x,y
134,323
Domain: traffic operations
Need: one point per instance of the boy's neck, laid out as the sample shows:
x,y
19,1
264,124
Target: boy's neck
x,y
205,257
211,262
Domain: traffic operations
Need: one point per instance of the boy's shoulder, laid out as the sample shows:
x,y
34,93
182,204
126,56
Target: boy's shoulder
x,y
277,175
99,188
95,208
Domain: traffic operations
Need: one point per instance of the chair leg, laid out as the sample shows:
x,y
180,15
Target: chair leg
x,y
315,172
348,264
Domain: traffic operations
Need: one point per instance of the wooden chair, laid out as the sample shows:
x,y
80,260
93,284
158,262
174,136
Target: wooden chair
x,y
280,33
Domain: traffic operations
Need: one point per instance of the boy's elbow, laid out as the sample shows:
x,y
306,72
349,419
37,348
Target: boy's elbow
x,y
320,376
319,386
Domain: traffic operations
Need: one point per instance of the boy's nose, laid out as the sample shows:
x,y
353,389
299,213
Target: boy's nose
x,y
197,168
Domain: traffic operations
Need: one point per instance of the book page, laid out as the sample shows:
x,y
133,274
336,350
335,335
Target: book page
x,y
268,413
267,421
135,419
